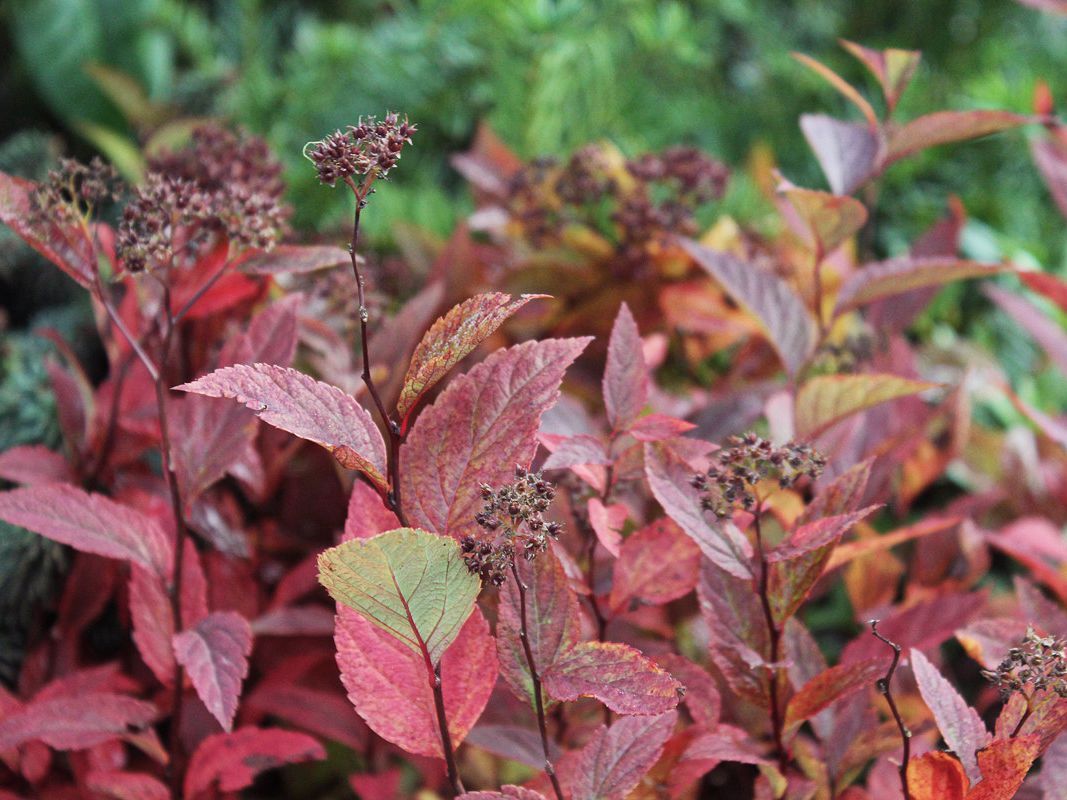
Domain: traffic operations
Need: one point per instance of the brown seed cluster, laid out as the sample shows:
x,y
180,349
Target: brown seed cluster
x,y
368,149
71,192
732,481
222,184
512,522
635,204
1037,664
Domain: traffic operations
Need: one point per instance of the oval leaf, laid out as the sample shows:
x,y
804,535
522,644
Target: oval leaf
x,y
388,686
304,407
215,654
615,674
625,383
657,564
477,430
410,583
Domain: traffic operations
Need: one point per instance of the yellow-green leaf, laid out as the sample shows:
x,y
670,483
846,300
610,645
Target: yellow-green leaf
x,y
828,399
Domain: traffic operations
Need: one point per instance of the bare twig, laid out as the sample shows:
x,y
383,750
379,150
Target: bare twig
x,y
775,636
886,692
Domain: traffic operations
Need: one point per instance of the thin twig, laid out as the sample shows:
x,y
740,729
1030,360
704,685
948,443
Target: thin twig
x,y
775,637
538,698
884,688
446,737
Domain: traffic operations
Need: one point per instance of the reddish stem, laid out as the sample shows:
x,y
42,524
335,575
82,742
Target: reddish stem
x,y
775,637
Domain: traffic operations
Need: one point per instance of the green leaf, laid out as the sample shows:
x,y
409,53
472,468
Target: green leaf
x,y
408,582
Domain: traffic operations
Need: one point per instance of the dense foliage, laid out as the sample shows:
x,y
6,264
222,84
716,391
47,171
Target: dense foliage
x,y
612,493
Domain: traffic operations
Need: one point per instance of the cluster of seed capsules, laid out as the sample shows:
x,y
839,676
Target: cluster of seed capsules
x,y
731,482
71,191
369,148
1039,663
512,522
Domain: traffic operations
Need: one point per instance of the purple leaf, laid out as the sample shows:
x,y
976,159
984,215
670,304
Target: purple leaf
x,y
215,655
846,151
626,375
615,674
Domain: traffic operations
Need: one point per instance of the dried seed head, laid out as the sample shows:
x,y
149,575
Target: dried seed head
x,y
1038,664
71,192
368,149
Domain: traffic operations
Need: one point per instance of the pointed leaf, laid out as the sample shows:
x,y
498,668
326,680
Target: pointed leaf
x,y
451,339
843,494
410,583
482,425
657,564
900,275
626,375
826,221
942,127
75,721
923,625
215,655
304,407
893,68
1051,286
846,151
613,763
936,776
830,686
552,620
798,562
574,451
669,478
90,523
839,83
960,726
783,314
1004,765
657,427
615,674
1051,162
231,761
825,400
388,686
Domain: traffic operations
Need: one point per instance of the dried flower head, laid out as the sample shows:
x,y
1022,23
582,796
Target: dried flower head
x,y
222,184
368,149
71,192
1039,663
512,521
732,481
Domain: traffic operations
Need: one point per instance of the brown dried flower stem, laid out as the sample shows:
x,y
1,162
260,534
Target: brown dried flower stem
x,y
775,636
539,703
1023,718
886,692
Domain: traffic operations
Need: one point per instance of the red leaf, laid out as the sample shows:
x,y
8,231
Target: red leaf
x,y
702,696
304,407
962,728
387,684
1052,287
669,477
215,656
233,760
91,523
899,275
893,68
33,464
615,674
1046,332
309,620
737,630
613,763
921,626
294,258
325,714
658,427
846,151
552,621
450,339
843,494
783,314
127,786
1054,769
367,515
607,522
482,425
75,721
1052,164
1004,765
798,562
657,564
936,776
830,686
625,375
68,247
942,127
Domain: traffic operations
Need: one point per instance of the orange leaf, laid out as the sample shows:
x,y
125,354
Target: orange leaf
x,y
936,776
